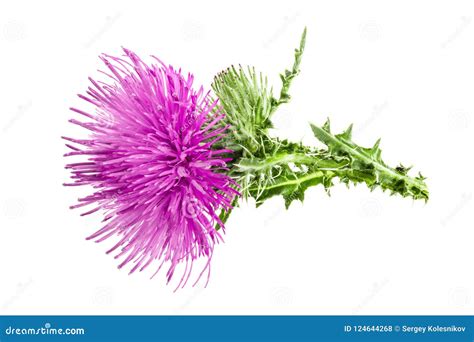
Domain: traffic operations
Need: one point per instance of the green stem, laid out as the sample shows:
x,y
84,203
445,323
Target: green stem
x,y
288,76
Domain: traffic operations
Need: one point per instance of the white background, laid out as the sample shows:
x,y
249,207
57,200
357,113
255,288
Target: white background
x,y
400,70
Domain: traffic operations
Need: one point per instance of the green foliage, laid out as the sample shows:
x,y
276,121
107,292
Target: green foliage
x,y
288,76
287,169
264,166
247,102
366,165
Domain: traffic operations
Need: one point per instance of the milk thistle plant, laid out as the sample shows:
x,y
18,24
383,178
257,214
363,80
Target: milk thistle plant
x,y
168,162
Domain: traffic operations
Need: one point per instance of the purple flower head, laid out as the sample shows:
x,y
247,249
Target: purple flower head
x,y
153,164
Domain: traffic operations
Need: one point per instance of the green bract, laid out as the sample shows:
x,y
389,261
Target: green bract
x,y
265,166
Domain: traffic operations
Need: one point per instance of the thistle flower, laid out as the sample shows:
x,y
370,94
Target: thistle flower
x,y
153,162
